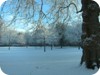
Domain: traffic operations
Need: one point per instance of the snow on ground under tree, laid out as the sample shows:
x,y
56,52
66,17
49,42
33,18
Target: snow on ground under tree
x,y
33,61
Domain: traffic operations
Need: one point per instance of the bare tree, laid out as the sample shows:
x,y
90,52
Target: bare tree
x,y
32,10
1,26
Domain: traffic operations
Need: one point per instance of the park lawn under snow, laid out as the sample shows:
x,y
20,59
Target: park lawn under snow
x,y
34,61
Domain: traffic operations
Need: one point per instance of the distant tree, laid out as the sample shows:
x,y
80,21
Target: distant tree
x,y
39,34
60,28
21,40
1,26
28,38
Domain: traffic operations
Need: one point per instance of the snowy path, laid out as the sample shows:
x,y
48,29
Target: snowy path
x,y
33,61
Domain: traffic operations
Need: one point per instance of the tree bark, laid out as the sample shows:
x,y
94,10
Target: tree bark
x,y
91,34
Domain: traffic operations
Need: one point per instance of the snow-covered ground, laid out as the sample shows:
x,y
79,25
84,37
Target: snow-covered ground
x,y
33,61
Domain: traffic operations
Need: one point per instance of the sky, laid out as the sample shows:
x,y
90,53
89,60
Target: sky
x,y
21,27
45,8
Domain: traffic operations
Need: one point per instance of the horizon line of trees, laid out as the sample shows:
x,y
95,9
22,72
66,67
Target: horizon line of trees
x,y
59,35
58,24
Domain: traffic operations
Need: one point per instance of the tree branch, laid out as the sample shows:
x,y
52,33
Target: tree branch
x,y
70,5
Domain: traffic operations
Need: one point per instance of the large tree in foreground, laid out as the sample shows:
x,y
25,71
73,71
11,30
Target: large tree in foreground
x,y
91,34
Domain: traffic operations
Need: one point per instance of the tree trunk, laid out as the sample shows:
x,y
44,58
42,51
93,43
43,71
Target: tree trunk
x,y
44,45
91,34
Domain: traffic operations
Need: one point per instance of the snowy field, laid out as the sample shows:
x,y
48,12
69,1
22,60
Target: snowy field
x,y
33,61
